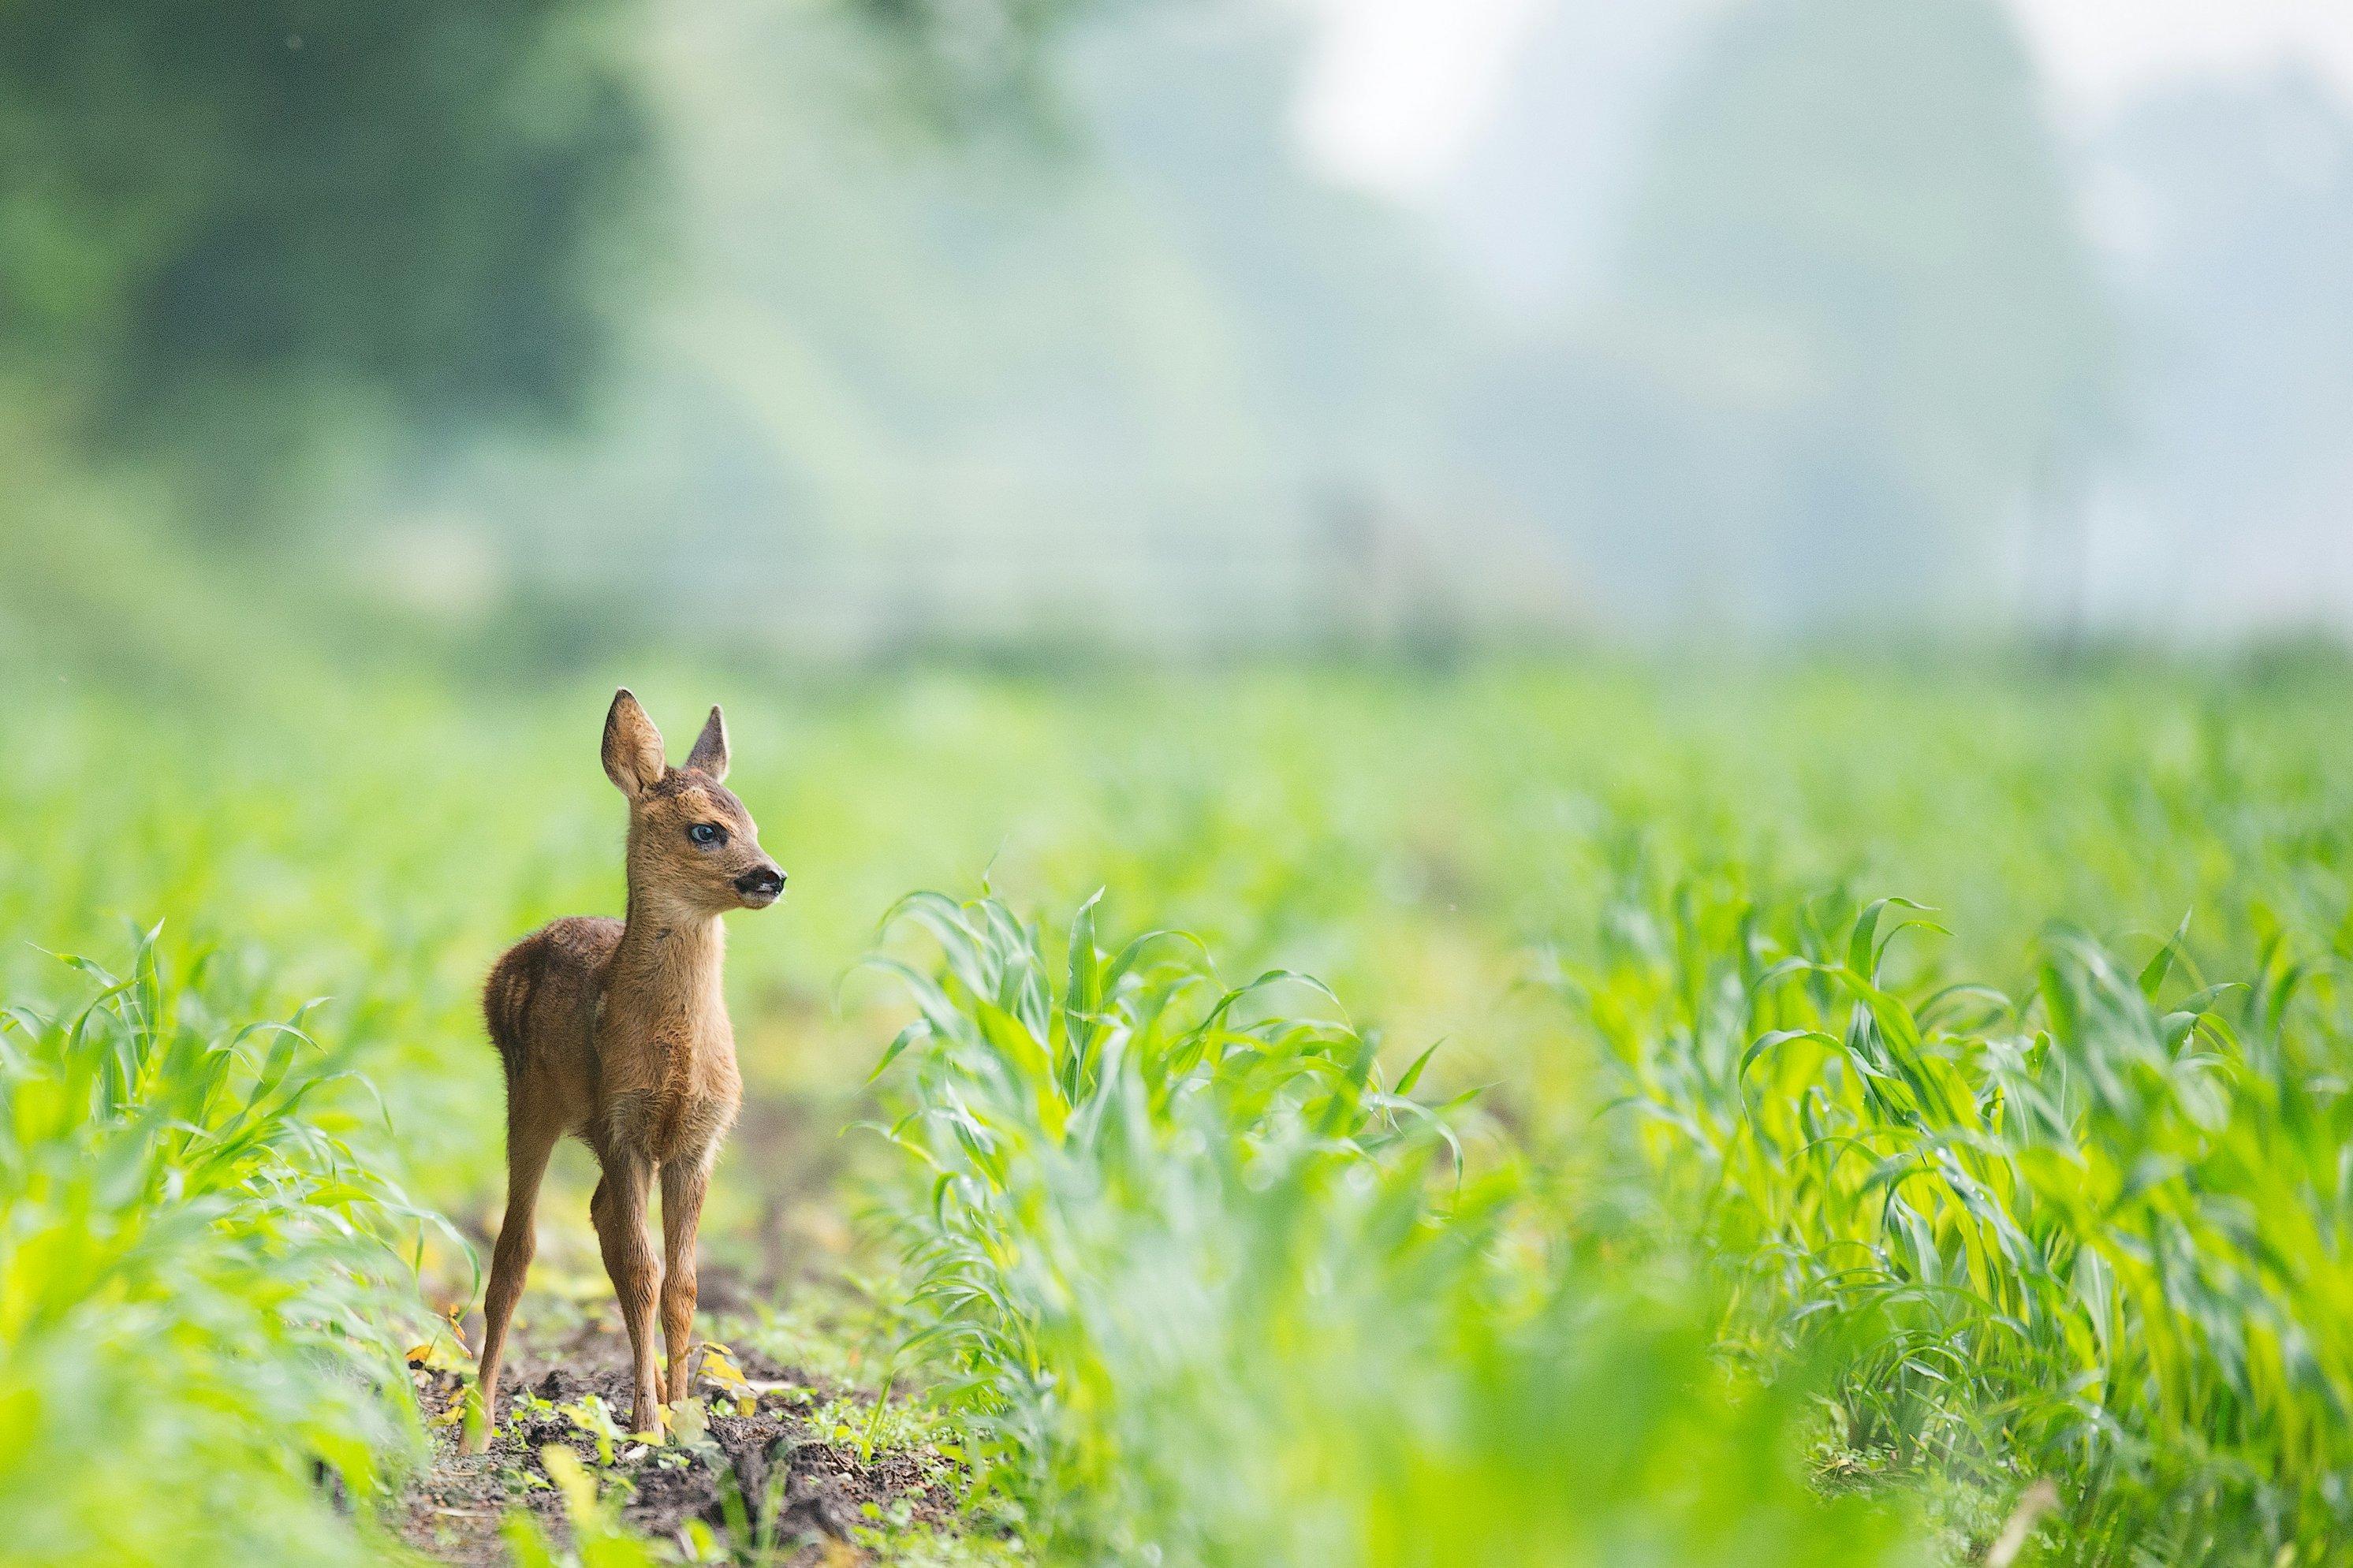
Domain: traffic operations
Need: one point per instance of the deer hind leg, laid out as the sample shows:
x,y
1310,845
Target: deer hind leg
x,y
683,1184
529,1143
619,1211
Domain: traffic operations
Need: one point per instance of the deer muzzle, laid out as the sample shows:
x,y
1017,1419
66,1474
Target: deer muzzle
x,y
761,886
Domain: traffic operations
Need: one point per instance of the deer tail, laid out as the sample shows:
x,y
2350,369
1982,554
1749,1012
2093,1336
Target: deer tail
x,y
506,1001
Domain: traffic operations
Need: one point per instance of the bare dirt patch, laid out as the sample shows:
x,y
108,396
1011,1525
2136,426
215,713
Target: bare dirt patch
x,y
769,1475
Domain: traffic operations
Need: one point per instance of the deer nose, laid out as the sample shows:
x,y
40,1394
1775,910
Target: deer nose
x,y
761,879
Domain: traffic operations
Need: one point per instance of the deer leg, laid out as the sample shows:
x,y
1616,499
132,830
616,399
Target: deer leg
x,y
683,1183
619,1211
528,1147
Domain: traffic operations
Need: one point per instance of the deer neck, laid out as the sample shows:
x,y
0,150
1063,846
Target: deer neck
x,y
670,955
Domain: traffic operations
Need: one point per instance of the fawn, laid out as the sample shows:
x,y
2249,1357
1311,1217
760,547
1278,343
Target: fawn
x,y
616,1031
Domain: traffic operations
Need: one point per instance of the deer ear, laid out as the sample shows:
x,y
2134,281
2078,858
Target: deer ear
x,y
633,747
710,754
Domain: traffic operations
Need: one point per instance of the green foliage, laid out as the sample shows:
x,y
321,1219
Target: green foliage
x,y
290,208
2098,1232
600,1539
1192,1288
1631,838
199,1288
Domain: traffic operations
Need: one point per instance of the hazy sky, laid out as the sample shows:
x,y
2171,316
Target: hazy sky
x,y
1397,88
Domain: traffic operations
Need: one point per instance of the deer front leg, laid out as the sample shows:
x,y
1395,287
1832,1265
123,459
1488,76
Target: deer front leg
x,y
620,1210
683,1183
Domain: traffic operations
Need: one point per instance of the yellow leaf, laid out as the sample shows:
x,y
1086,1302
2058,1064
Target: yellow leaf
x,y
720,1369
439,1354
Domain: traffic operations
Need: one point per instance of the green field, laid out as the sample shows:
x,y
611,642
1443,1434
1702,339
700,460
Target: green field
x,y
1728,1221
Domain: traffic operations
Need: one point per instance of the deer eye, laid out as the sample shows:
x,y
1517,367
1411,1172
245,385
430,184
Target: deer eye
x,y
707,833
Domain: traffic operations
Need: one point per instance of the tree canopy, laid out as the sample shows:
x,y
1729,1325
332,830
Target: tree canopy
x,y
294,202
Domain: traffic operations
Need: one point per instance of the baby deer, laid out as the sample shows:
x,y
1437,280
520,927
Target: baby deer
x,y
616,1031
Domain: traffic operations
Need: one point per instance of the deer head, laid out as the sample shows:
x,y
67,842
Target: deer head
x,y
692,846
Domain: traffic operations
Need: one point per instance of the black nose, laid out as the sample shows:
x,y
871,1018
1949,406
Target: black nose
x,y
761,879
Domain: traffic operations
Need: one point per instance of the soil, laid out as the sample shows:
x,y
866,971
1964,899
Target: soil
x,y
769,1468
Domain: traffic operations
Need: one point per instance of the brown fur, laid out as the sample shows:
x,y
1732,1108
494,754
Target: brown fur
x,y
616,1031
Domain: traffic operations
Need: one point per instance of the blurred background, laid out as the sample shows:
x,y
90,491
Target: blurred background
x,y
838,330
1521,510
1357,479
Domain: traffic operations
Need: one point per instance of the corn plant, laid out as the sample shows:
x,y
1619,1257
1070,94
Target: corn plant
x,y
2102,1232
1203,1289
199,1293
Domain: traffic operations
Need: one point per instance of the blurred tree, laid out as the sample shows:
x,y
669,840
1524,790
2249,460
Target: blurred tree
x,y
226,234
966,64
1855,328
970,387
220,225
